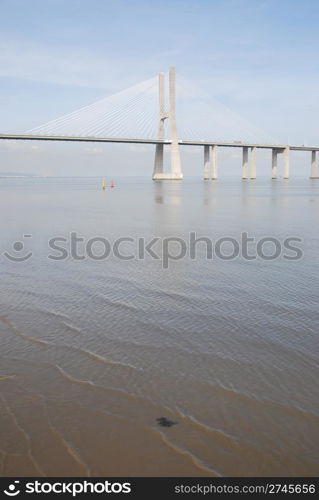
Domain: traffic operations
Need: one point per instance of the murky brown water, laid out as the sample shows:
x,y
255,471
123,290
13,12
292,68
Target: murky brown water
x,y
94,352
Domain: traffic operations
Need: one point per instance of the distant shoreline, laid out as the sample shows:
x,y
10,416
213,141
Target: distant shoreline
x,y
19,176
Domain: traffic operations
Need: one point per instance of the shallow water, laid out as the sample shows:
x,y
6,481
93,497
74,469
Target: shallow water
x,y
93,352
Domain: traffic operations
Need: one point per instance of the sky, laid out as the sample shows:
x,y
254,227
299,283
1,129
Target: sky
x,y
258,58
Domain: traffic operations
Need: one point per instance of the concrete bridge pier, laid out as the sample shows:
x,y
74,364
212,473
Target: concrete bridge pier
x,y
245,163
207,162
286,153
159,160
253,171
274,162
314,169
159,149
176,168
211,162
215,163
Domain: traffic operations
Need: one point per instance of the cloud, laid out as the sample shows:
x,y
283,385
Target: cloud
x,y
35,63
193,150
275,100
23,146
235,155
137,148
68,65
93,150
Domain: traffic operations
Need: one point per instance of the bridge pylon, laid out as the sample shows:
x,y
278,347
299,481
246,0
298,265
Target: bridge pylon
x,y
176,168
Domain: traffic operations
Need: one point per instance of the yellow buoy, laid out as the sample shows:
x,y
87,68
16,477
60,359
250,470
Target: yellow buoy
x,y
103,184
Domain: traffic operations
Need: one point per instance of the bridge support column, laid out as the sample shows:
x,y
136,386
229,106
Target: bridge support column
x,y
159,149
215,162
314,172
176,169
286,162
207,165
159,160
253,172
245,162
274,161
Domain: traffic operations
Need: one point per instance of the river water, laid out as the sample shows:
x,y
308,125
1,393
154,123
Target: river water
x,y
99,341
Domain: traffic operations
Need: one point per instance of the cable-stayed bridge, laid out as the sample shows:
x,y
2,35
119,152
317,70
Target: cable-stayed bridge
x,y
139,115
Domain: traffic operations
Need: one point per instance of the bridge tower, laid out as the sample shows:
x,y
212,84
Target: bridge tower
x,y
176,169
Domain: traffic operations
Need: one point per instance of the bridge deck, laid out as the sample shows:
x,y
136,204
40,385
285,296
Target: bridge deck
x,y
235,144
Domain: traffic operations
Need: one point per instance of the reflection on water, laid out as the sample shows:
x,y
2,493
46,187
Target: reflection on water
x,y
171,196
95,354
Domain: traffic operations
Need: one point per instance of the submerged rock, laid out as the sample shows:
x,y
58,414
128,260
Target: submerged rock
x,y
165,422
